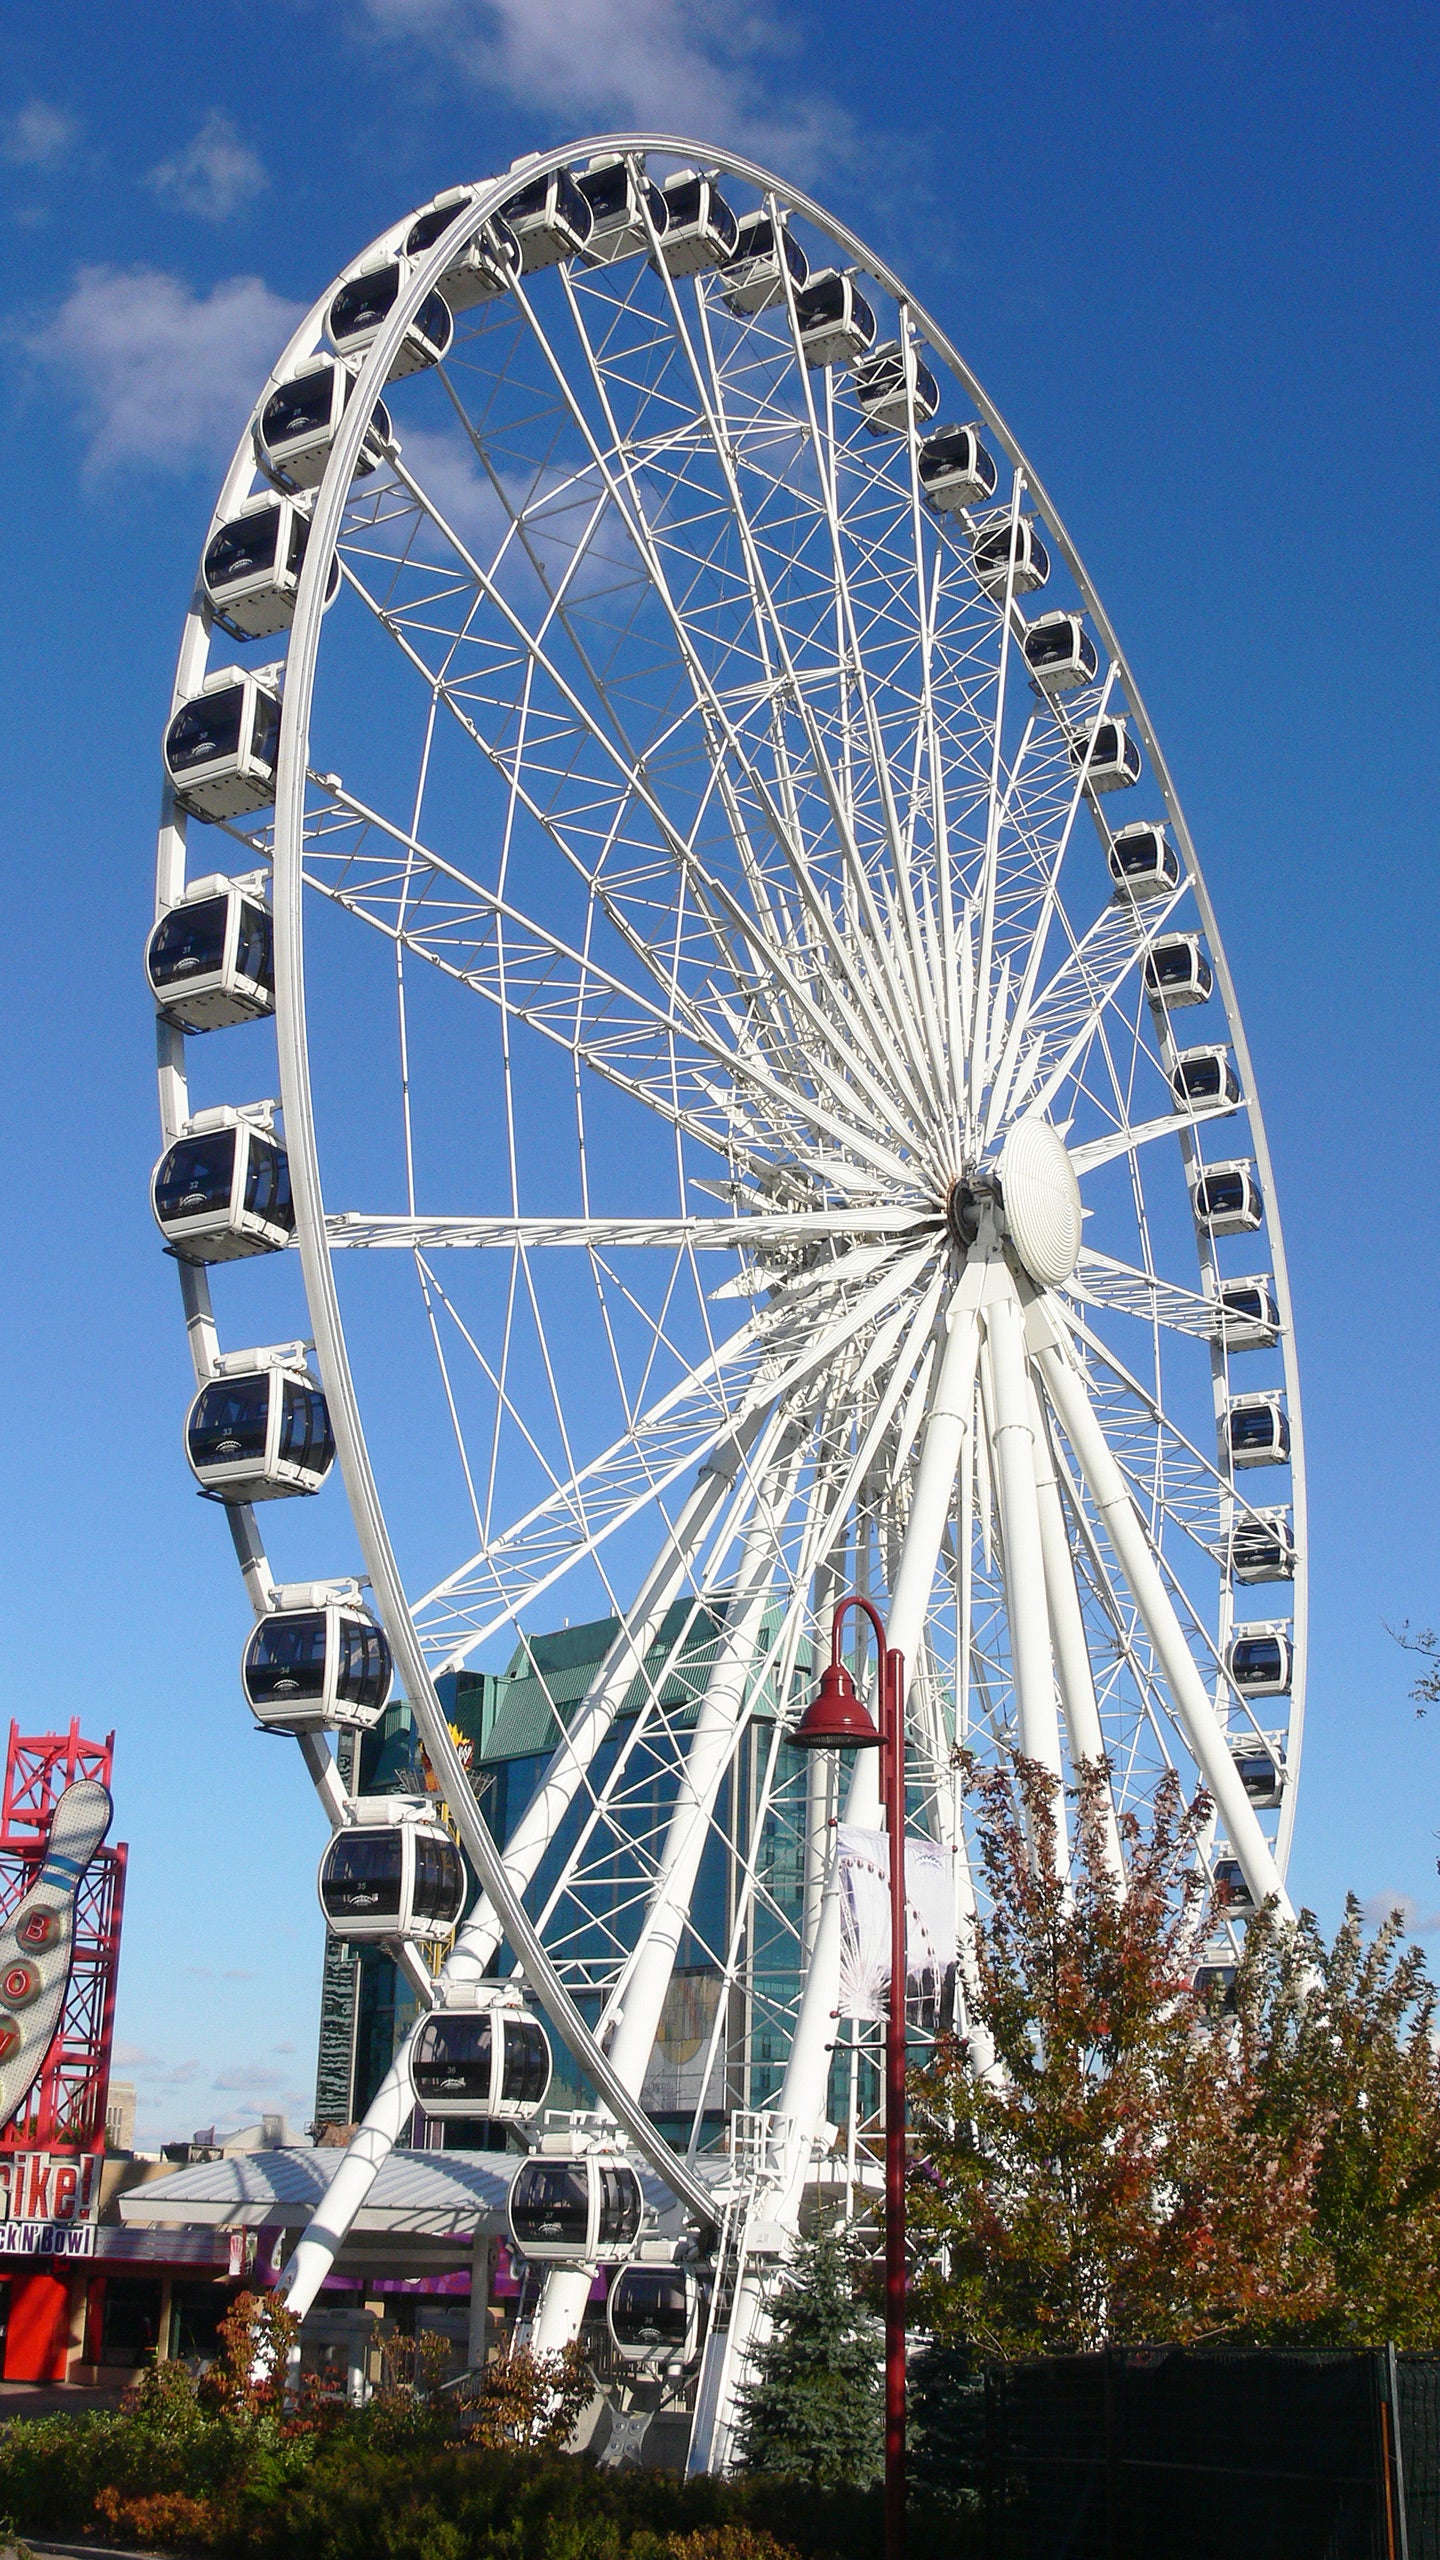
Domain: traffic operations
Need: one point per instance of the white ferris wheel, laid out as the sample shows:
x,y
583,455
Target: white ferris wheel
x,y
684,982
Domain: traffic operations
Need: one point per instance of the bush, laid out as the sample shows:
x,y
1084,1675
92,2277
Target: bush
x,y
170,2473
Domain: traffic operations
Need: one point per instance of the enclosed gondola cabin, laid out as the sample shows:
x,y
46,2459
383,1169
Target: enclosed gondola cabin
x,y
994,547
895,389
221,746
392,1872
257,1432
700,228
1262,1548
551,220
1215,1983
620,196
252,564
955,469
765,251
1177,971
835,322
1108,758
1233,1896
485,267
1257,1431
223,1190
1260,1659
299,423
1262,1775
1143,863
490,2064
1060,653
1248,1313
211,960
317,1669
586,2209
1228,1199
1205,1080
656,2314
359,311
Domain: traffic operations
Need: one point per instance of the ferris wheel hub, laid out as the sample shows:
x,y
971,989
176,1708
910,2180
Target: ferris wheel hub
x,y
1042,1201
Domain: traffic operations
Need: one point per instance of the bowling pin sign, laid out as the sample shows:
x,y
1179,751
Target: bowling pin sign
x,y
37,1942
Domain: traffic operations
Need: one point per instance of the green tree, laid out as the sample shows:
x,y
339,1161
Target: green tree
x,y
1116,2177
814,2410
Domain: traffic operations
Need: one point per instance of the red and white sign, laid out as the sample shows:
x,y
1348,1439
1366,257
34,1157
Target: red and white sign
x,y
49,2187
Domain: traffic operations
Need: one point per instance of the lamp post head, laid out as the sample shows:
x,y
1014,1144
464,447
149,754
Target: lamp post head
x,y
837,1718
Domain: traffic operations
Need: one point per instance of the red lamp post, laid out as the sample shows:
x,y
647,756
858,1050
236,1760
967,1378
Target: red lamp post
x,y
836,1720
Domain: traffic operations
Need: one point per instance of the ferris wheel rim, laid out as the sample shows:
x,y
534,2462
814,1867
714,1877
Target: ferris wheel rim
x,y
315,1243
489,197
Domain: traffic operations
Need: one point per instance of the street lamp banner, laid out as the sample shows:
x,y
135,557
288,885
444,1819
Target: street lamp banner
x,y
865,1923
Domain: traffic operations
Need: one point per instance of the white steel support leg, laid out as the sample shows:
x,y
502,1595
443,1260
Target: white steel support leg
x,y
561,2310
324,2235
1067,1626
802,2094
1126,1531
637,2006
641,1997
1026,1606
801,2103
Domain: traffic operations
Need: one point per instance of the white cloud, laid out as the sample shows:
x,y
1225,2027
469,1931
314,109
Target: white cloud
x,y
214,175
37,136
247,2075
163,375
1379,1907
669,65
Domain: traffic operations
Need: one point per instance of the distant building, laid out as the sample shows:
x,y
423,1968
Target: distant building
x,y
120,2117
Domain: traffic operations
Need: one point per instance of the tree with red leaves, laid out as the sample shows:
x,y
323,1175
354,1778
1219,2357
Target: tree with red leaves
x,y
1116,2176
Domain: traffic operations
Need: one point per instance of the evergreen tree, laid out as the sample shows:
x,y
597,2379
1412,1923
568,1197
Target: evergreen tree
x,y
946,2434
815,2409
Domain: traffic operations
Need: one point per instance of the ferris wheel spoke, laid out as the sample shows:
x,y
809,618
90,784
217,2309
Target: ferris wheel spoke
x,y
729,436
582,1736
762,1229
639,1995
1092,1152
1193,1492
1019,1021
696,1418
828,1507
781,816
769,1361
927,1064
1088,982
604,1822
1099,1280
554,989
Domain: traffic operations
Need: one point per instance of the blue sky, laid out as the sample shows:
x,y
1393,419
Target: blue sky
x,y
1191,251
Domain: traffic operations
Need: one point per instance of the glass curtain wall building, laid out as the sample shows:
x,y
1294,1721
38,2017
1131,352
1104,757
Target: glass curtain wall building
x,y
508,1726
